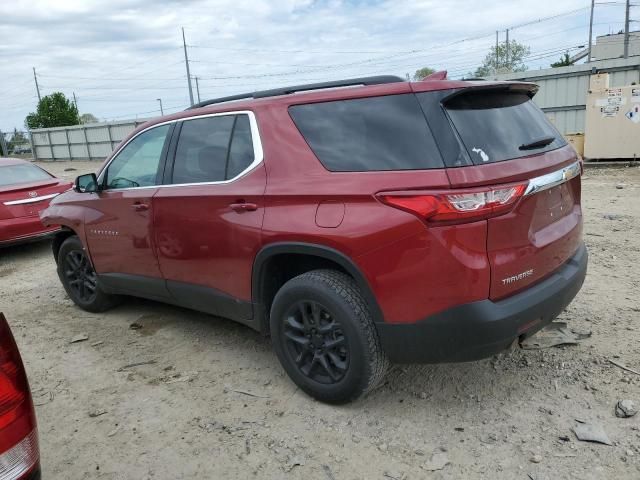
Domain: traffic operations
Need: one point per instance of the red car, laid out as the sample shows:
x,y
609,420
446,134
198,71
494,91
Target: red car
x,y
19,451
25,190
435,221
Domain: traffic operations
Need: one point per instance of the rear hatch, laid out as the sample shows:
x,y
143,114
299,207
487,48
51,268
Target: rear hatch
x,y
499,137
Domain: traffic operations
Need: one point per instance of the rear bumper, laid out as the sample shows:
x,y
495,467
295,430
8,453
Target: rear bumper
x,y
24,229
481,329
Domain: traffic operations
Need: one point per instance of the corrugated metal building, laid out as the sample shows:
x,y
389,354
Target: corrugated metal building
x,y
563,90
80,142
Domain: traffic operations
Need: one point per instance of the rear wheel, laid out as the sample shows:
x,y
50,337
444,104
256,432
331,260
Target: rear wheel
x,y
324,337
79,278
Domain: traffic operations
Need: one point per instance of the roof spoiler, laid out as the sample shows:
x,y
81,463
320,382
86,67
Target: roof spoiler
x,y
524,87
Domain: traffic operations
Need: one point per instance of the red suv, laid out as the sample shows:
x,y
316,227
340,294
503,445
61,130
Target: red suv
x,y
435,221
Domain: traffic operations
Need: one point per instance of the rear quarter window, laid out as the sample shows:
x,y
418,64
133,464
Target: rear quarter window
x,y
368,134
498,125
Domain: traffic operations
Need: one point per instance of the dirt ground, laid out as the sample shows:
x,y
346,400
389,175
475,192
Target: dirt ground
x,y
211,400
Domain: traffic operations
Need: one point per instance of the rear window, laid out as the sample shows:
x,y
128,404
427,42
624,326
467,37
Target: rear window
x,y
25,173
497,126
368,134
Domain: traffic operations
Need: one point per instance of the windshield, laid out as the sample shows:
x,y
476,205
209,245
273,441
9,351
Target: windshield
x,y
499,125
22,173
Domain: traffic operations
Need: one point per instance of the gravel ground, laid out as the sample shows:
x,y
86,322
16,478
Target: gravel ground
x,y
211,401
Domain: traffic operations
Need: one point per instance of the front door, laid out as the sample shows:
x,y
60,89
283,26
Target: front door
x,y
208,216
119,219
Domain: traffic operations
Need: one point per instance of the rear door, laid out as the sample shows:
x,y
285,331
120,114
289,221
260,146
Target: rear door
x,y
208,215
501,137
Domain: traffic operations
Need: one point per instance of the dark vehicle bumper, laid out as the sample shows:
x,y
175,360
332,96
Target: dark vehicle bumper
x,y
481,329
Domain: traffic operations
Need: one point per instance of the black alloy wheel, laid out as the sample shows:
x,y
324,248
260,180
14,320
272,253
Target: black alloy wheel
x,y
315,342
80,276
325,338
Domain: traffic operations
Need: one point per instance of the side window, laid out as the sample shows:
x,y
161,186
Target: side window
x,y
213,149
368,134
201,155
137,164
241,152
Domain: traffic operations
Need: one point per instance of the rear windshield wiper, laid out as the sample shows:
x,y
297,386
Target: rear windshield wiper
x,y
539,143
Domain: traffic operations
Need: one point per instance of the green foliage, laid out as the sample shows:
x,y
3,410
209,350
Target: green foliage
x,y
88,118
564,61
423,73
499,63
54,110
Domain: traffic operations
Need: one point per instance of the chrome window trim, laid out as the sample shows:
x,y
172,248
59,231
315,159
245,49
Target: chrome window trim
x,y
553,179
258,153
31,200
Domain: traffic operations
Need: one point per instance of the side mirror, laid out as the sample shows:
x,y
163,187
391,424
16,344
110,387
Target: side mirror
x,y
86,183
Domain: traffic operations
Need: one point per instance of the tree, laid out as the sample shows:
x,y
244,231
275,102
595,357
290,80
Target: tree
x,y
423,73
88,118
54,110
499,63
564,61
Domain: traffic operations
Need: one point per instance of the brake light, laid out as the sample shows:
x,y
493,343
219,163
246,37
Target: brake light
x,y
456,206
19,452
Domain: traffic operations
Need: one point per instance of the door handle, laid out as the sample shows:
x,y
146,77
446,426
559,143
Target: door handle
x,y
140,207
243,207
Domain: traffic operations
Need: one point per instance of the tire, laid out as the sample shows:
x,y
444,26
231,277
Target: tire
x,y
324,337
79,278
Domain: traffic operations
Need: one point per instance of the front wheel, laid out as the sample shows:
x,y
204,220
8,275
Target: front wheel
x,y
324,336
79,279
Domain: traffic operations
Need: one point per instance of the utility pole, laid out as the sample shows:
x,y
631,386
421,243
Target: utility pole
x,y
497,55
506,61
161,110
186,62
593,3
197,89
626,30
35,77
75,102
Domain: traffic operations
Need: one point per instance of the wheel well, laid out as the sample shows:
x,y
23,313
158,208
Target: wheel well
x,y
280,268
59,238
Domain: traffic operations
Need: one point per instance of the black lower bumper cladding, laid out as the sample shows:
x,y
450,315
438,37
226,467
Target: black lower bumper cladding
x,y
481,329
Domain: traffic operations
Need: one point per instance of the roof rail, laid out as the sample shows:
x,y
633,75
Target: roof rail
x,y
375,80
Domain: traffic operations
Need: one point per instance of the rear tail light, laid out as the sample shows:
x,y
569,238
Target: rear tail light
x,y
19,452
456,206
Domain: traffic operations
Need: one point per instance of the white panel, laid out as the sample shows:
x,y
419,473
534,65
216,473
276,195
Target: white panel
x,y
61,152
76,136
43,152
621,79
58,137
568,121
100,150
97,134
120,132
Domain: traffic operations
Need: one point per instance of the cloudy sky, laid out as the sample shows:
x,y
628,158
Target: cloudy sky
x,y
120,56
